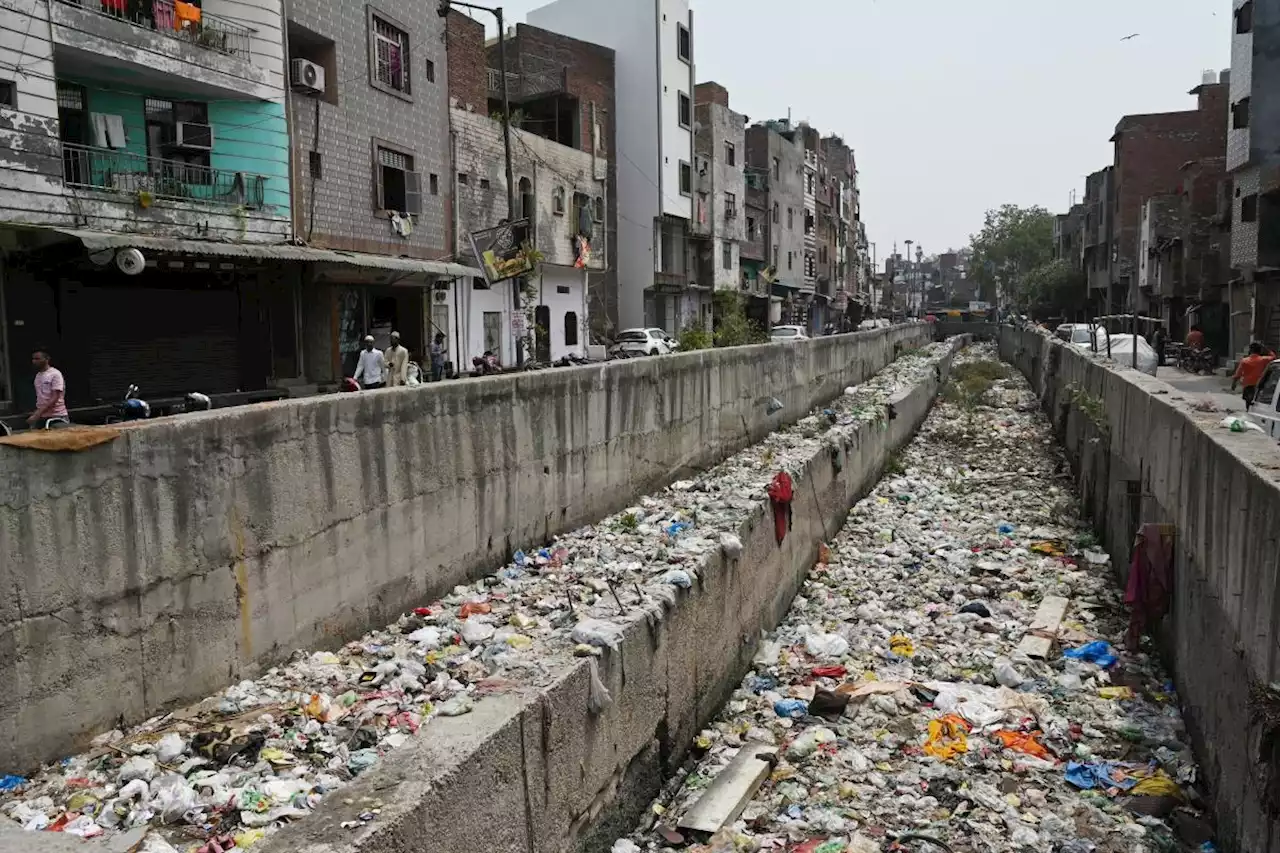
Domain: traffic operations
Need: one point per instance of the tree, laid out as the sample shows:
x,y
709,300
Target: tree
x,y
1013,242
1053,289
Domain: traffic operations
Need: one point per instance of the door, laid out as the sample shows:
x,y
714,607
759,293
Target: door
x,y
1265,410
542,330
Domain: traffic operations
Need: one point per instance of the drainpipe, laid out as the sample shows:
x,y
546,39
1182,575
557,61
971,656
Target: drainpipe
x,y
288,117
458,343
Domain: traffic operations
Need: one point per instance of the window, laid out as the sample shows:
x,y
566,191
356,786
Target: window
x,y
730,154
431,71
730,205
557,201
484,183
686,178
775,258
1267,387
686,110
751,228
791,219
8,93
399,187
683,43
726,255
599,206
435,184
389,54
162,119
1240,114
462,178
1249,208
528,205
317,166
1244,18
492,325
570,328
777,169
775,213
789,259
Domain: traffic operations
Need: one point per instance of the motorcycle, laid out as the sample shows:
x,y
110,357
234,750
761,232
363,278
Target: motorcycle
x,y
1196,361
486,365
131,408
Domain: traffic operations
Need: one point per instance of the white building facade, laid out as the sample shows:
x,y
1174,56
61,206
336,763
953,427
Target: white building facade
x,y
654,43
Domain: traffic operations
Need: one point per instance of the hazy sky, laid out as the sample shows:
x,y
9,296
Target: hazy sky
x,y
956,106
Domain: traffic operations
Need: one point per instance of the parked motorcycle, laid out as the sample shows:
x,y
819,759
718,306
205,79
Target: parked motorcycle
x,y
131,408
486,365
1196,361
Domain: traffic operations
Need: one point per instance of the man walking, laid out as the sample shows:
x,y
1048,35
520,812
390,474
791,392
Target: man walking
x,y
51,393
371,372
437,357
1249,371
397,359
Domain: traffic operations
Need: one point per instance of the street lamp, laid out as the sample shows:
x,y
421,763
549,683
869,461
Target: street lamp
x,y
443,11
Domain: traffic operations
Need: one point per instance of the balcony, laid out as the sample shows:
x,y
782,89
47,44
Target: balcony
x,y
524,86
158,44
143,178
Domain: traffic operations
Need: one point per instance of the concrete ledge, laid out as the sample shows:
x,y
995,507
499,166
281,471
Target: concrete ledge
x,y
195,551
539,772
1141,453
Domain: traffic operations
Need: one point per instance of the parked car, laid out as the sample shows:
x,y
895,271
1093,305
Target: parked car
x,y
633,342
1083,335
1265,411
788,333
1122,352
672,344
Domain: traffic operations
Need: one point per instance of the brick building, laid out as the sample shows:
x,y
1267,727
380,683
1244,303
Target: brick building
x,y
1096,242
776,167
719,184
1150,151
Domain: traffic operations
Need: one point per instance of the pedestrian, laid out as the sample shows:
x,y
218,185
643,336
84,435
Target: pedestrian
x,y
437,357
371,372
51,394
1157,344
1249,371
397,359
1195,338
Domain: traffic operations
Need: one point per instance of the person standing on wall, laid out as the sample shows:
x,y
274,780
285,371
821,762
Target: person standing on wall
x,y
1249,371
437,357
371,371
397,360
51,394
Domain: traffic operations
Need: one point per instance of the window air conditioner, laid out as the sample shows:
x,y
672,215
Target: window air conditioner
x,y
189,134
306,76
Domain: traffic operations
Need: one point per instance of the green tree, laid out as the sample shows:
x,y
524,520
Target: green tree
x,y
1013,242
733,327
1053,289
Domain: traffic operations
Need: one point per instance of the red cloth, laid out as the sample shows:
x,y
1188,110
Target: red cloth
x,y
1150,580
780,494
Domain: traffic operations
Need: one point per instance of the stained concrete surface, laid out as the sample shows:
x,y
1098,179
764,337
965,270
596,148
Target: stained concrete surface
x,y
1140,454
194,551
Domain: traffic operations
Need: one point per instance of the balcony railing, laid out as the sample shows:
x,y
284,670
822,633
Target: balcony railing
x,y
527,85
176,21
132,174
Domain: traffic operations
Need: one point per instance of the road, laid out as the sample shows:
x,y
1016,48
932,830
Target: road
x,y
1216,388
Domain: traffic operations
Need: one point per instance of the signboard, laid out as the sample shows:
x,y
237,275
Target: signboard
x,y
503,251
979,306
517,324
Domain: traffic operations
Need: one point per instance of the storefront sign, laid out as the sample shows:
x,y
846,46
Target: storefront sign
x,y
503,250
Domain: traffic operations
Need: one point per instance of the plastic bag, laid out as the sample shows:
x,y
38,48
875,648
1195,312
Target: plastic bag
x,y
137,767
1098,652
598,697
731,545
170,747
826,646
1006,674
599,633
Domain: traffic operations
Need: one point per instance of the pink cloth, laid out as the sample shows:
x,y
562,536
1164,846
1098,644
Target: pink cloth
x,y
48,382
1150,581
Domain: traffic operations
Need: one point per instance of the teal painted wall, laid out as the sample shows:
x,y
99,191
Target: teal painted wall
x,y
248,136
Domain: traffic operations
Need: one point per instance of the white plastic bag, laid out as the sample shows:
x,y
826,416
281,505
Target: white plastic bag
x,y
826,646
599,633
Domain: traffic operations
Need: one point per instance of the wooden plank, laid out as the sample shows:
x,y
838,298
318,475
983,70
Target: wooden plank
x,y
1038,641
732,789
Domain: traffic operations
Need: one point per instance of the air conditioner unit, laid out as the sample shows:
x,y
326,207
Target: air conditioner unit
x,y
189,134
306,76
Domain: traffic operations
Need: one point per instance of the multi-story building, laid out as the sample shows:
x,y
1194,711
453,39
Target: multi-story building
x,y
810,139
753,252
844,258
1150,151
560,187
719,221
654,45
1253,161
562,89
775,167
1097,244
145,198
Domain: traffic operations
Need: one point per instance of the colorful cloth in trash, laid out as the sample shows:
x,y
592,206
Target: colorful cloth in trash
x,y
1024,742
780,495
1150,579
948,737
1100,774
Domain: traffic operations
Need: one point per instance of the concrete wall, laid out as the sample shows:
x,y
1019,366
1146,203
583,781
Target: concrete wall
x,y
1142,454
193,551
539,772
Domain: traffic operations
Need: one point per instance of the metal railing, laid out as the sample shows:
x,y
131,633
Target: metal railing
x,y
127,173
529,84
162,16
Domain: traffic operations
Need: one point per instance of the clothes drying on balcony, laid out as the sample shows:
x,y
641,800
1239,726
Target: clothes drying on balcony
x,y
185,14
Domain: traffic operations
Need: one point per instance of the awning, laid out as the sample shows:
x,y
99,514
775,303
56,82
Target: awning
x,y
95,241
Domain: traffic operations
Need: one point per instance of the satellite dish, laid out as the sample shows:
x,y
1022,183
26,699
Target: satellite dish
x,y
102,257
130,261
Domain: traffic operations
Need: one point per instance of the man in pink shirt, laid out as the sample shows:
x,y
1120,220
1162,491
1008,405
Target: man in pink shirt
x,y
51,393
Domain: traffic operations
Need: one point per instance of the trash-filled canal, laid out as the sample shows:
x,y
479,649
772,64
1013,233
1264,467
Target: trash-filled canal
x,y
955,673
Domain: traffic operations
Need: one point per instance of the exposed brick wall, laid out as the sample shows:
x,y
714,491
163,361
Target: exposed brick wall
x,y
338,211
711,93
468,68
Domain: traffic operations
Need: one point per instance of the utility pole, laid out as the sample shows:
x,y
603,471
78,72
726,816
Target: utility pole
x,y
443,11
908,276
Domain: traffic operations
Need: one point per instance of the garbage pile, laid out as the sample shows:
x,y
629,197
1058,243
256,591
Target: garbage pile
x,y
951,676
227,772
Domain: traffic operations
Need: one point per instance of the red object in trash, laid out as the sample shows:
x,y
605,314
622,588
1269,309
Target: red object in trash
x,y
422,611
780,494
829,672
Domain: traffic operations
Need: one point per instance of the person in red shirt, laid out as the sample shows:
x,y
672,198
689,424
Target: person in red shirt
x,y
1249,371
1195,338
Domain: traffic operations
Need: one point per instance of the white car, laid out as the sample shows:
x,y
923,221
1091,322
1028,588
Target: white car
x,y
788,333
1084,335
632,342
672,344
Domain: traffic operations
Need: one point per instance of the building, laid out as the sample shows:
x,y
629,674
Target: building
x,y
810,141
562,89
753,252
1253,161
848,235
720,188
1098,244
776,168
560,187
1150,151
144,199
654,42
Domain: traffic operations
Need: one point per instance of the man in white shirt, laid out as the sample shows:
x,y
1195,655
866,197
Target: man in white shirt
x,y
397,359
371,372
